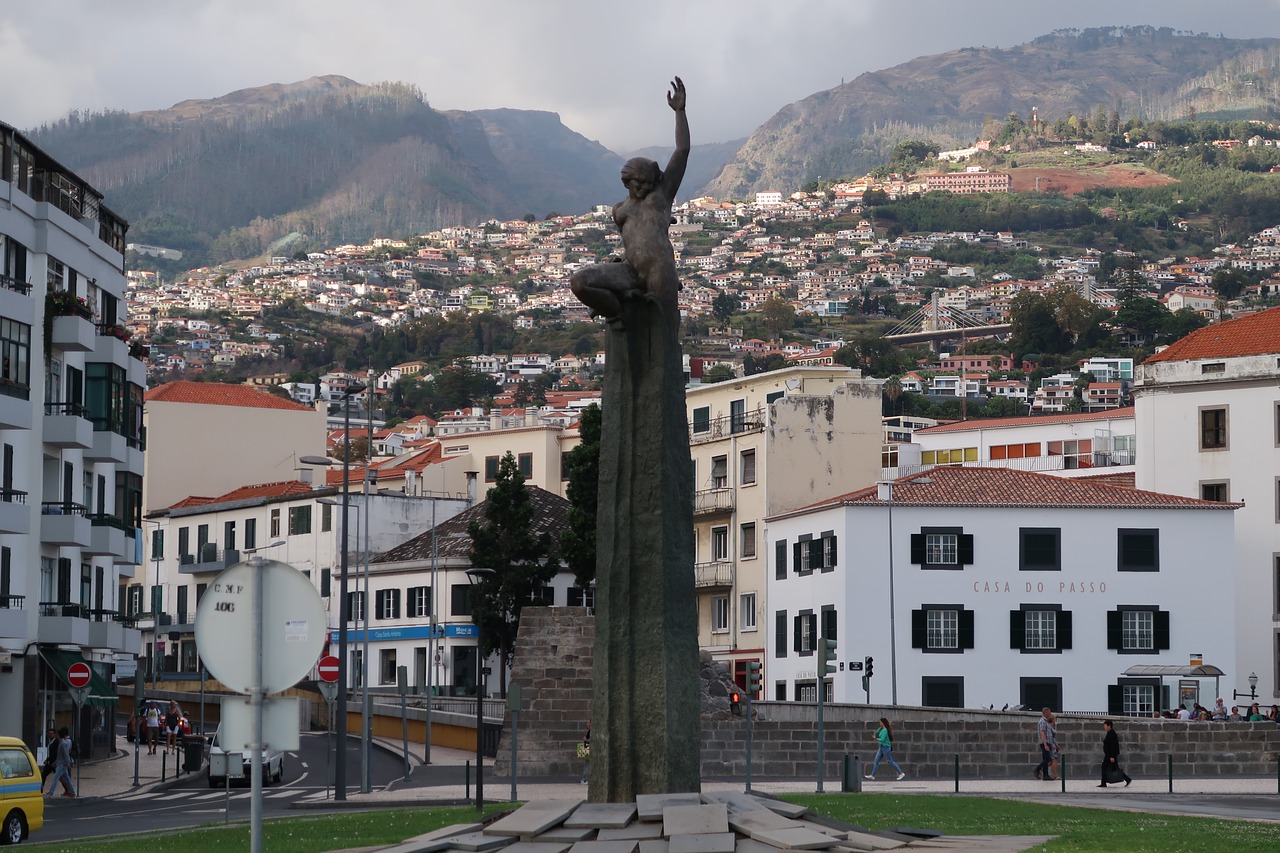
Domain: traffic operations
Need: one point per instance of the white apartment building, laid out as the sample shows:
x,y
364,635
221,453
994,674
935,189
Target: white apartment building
x,y
192,541
71,438
760,445
1208,412
970,587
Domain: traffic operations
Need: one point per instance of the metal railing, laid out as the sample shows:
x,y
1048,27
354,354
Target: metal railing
x,y
103,519
712,501
79,410
62,508
8,282
723,427
64,608
12,602
13,496
101,615
717,574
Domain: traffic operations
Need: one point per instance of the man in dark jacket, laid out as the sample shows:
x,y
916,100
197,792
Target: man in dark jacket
x,y
1111,754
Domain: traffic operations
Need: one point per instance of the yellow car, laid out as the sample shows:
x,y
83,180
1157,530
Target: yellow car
x,y
21,798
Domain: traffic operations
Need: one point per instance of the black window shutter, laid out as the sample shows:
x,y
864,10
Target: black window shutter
x,y
964,549
1115,700
797,626
780,560
795,556
1064,629
811,625
829,624
815,553
780,634
1017,630
919,629
833,550
1114,639
1160,629
964,626
917,549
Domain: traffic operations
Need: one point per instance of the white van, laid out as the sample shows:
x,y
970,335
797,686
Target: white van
x,y
237,764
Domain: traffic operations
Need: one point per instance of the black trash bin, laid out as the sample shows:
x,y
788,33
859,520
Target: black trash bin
x,y
192,753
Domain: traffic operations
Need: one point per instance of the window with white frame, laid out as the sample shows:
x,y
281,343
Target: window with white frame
x,y
747,611
1139,700
1040,627
719,614
941,548
942,629
355,606
418,605
719,543
720,472
387,604
1137,629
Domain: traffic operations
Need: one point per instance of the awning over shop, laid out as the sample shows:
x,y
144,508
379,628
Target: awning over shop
x,y
1149,670
100,692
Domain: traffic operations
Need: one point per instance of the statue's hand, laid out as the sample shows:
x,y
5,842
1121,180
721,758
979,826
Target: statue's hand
x,y
675,98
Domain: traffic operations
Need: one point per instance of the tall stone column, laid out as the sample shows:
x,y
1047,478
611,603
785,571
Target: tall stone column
x,y
645,709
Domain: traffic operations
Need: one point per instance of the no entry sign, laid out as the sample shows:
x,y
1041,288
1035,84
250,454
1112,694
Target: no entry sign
x,y
78,675
328,669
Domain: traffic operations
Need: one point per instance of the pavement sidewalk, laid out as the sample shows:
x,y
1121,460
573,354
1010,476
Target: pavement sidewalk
x,y
442,781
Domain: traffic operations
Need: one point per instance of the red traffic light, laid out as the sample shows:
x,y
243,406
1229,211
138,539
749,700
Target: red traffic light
x,y
735,706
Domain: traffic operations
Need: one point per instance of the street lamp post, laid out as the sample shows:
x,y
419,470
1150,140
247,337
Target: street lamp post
x,y
886,488
340,763
366,734
476,576
1253,689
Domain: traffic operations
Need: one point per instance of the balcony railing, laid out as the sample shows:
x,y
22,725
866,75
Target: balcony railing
x,y
64,608
12,602
8,282
715,575
99,615
718,428
103,519
13,388
79,410
62,508
13,496
713,501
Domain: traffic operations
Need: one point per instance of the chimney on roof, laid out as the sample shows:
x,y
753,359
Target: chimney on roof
x,y
305,474
495,418
471,487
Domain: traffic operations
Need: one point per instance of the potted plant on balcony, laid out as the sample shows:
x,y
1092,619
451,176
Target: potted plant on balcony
x,y
64,303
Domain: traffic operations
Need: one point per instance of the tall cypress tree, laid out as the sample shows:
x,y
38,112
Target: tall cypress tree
x,y
582,464
522,563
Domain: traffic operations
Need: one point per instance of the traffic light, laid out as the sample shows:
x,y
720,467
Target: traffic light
x,y
828,656
867,670
735,704
754,682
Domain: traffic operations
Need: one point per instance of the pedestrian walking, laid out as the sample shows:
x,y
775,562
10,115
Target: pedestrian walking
x,y
584,753
1111,770
1047,740
63,764
884,741
172,724
50,756
153,727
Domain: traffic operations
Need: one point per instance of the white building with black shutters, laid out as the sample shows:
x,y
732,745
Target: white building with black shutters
x,y
1007,587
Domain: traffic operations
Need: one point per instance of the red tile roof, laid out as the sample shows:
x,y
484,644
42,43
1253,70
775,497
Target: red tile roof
x,y
998,423
1256,334
220,394
1006,487
262,490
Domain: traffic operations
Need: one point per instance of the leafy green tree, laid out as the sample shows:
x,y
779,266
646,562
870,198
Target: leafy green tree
x,y
724,306
522,563
778,315
717,373
1144,315
582,464
1229,282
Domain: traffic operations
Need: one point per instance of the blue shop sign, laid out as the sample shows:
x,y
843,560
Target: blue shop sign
x,y
406,632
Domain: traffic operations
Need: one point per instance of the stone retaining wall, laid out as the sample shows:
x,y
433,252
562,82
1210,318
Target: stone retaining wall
x,y
553,666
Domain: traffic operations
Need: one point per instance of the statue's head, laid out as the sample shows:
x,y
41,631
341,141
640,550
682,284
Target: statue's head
x,y
640,175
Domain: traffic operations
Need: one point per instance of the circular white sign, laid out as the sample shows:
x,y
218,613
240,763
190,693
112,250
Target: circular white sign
x,y
293,626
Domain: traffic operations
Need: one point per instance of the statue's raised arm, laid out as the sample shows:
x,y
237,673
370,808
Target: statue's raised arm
x,y
674,173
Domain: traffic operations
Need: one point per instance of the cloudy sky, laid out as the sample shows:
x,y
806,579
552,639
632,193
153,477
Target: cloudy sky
x,y
603,65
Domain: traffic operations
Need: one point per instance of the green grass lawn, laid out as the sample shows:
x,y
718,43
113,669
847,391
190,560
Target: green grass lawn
x,y
1079,830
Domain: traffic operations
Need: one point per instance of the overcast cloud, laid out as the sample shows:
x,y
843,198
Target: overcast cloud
x,y
602,65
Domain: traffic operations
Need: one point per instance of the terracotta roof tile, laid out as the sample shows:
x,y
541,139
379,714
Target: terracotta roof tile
x,y
1030,420
220,394
1006,487
1256,334
261,490
550,515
